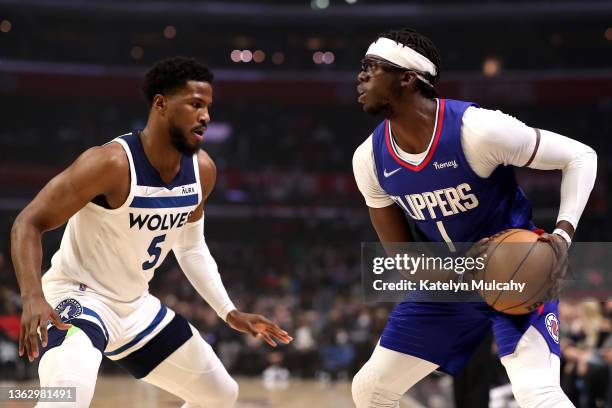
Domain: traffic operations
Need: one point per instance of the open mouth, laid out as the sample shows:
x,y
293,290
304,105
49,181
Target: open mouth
x,y
360,95
199,132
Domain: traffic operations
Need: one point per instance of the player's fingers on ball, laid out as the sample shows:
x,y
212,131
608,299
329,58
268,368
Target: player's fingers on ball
x,y
545,237
477,249
482,249
482,241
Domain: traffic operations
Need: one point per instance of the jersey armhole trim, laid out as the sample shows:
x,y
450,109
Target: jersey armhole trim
x,y
130,196
196,171
535,149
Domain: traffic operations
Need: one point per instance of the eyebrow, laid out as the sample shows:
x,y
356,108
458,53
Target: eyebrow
x,y
200,99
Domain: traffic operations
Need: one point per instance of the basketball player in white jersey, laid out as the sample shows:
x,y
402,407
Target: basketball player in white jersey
x,y
127,204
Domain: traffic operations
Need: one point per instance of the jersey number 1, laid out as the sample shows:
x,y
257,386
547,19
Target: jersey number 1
x,y
154,251
445,236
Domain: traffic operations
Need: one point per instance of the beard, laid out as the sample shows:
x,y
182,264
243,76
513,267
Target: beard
x,y
374,110
180,141
382,108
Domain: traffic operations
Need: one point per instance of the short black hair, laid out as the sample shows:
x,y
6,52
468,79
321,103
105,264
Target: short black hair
x,y
423,45
169,74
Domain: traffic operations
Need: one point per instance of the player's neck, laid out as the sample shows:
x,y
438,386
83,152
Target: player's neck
x,y
160,153
412,125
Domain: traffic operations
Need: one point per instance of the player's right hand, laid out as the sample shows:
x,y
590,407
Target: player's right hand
x,y
479,248
560,265
36,313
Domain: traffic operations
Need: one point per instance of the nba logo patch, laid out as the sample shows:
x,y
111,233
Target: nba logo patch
x,y
552,325
68,309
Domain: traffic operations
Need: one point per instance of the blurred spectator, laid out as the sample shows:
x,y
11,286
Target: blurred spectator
x,y
584,347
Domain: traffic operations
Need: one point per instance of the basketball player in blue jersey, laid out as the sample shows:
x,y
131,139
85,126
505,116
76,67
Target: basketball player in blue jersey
x,y
448,166
127,204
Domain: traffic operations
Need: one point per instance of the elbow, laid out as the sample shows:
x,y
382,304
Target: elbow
x,y
23,224
585,158
590,156
587,162
593,156
17,231
18,225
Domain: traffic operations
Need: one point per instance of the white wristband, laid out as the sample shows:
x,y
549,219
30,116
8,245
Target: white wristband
x,y
564,234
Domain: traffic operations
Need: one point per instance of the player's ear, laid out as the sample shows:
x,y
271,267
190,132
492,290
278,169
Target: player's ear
x,y
408,79
159,102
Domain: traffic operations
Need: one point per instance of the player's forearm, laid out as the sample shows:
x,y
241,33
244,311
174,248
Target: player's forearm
x,y
26,253
201,270
390,224
578,162
576,186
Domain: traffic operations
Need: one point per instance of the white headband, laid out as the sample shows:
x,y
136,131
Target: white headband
x,y
403,56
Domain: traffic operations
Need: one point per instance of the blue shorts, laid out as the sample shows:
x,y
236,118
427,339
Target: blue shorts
x,y
447,334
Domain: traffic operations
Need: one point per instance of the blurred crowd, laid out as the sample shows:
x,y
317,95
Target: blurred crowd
x,y
311,286
586,345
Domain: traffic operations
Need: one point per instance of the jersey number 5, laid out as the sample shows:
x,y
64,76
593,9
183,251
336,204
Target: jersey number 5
x,y
154,251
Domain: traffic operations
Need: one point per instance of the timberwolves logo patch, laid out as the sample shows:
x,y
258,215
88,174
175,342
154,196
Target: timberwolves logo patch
x,y
552,325
68,309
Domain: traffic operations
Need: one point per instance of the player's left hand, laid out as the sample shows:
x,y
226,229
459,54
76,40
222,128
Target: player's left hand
x,y
560,247
257,326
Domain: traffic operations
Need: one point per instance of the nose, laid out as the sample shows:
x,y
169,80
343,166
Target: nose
x,y
362,76
204,117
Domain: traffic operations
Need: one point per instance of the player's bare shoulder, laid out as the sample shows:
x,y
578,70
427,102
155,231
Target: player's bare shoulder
x,y
104,170
208,172
113,158
107,158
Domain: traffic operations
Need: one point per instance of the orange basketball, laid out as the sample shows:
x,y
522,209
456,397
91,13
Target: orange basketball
x,y
517,273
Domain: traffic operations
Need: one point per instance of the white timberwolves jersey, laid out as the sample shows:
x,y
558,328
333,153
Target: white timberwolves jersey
x,y
114,252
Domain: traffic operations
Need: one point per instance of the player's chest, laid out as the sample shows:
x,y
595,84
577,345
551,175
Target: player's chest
x,y
154,221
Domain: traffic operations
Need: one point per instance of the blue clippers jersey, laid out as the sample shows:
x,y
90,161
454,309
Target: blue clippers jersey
x,y
443,195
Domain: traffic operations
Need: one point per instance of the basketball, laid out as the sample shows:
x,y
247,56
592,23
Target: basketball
x,y
517,273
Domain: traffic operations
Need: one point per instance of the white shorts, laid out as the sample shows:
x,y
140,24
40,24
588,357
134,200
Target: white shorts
x,y
127,326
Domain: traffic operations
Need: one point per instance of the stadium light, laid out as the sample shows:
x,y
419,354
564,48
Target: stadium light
x,y
328,57
278,58
137,52
491,66
319,4
246,56
170,32
259,56
5,26
235,55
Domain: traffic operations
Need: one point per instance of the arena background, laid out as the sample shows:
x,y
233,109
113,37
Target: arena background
x,y
286,220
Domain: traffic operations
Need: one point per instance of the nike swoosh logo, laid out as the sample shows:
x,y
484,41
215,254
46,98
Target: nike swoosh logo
x,y
389,174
